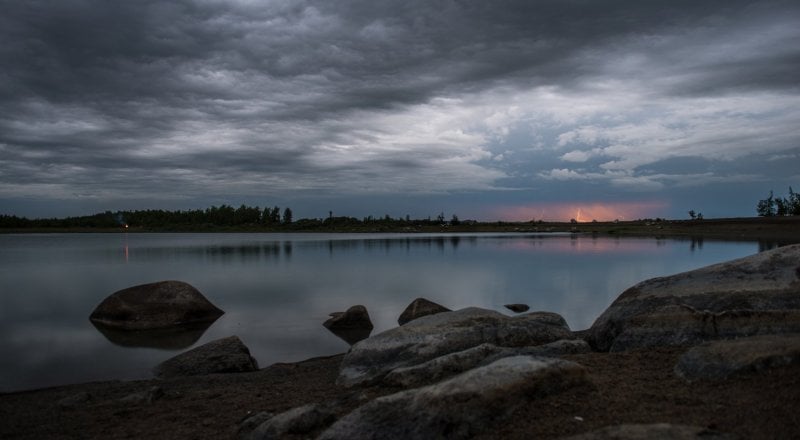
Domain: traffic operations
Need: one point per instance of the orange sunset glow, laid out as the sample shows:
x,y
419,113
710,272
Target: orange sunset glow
x,y
582,212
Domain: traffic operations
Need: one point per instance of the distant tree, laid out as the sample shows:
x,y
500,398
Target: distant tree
x,y
455,221
699,216
793,207
440,218
766,207
692,214
287,216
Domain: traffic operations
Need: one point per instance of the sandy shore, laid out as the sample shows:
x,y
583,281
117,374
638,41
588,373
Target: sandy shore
x,y
630,387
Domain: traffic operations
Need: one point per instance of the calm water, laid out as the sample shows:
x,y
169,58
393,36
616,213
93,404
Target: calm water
x,y
277,289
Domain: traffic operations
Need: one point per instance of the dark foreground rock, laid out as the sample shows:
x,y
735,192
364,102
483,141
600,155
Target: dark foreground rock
x,y
352,325
296,421
721,359
460,407
432,336
754,295
226,355
656,431
418,308
155,305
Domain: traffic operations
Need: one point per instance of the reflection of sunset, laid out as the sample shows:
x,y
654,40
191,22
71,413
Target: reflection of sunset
x,y
584,245
582,212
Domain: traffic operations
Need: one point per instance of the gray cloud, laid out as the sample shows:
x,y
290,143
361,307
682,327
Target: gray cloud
x,y
114,99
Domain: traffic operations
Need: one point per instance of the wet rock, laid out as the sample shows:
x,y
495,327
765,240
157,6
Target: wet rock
x,y
517,308
721,359
458,362
461,407
226,355
418,308
656,431
155,305
432,336
296,421
759,294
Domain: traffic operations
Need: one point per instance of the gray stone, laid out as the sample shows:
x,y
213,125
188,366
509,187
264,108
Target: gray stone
x,y
451,364
155,305
296,421
461,407
432,336
226,355
759,294
250,423
517,308
356,317
656,431
418,308
721,359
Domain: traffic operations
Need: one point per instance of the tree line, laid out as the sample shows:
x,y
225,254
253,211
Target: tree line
x,y
222,217
779,206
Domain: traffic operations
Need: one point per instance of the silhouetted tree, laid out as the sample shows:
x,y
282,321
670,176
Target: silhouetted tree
x,y
287,216
766,207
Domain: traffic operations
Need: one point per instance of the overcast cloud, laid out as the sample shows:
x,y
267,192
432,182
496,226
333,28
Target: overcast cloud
x,y
484,109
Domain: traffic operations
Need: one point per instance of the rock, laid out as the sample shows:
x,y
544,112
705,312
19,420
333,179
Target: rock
x,y
656,431
463,406
759,294
75,400
432,336
517,308
448,365
226,355
147,396
245,429
355,317
156,305
721,359
352,326
418,308
300,420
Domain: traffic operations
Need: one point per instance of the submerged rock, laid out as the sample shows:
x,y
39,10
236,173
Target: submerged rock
x,y
418,308
352,326
226,355
721,359
463,406
155,305
432,336
517,308
759,294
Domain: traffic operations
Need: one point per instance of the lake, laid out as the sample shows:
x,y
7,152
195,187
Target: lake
x,y
277,289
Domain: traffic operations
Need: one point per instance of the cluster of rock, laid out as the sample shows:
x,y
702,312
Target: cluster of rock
x,y
461,372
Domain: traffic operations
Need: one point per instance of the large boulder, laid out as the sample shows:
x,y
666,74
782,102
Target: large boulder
x,y
721,359
463,406
155,305
226,355
759,294
432,336
418,308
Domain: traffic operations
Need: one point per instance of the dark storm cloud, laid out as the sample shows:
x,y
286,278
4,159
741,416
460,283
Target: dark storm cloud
x,y
99,96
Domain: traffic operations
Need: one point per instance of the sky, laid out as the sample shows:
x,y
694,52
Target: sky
x,y
503,110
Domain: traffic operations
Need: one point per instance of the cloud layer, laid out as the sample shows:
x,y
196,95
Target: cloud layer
x,y
514,102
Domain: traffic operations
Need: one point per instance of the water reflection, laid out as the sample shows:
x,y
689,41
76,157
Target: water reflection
x,y
173,338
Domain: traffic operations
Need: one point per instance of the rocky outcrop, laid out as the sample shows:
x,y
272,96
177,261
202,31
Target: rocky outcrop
x,y
296,421
451,364
418,308
226,355
517,308
155,305
754,295
352,325
432,336
721,359
461,407
656,431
